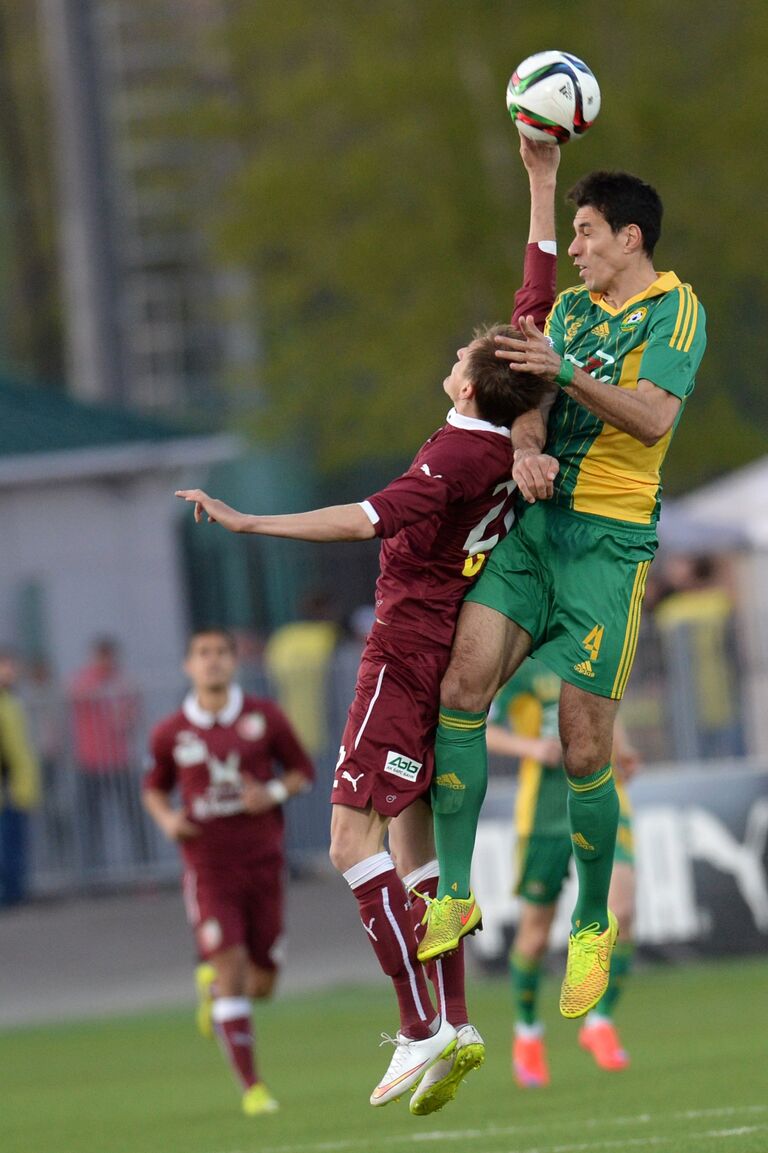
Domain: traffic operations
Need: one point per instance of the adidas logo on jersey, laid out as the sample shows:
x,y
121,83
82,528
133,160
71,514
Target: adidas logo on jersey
x,y
581,842
585,668
601,329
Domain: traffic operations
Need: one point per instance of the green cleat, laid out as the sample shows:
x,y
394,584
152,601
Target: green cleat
x,y
439,1084
448,919
588,968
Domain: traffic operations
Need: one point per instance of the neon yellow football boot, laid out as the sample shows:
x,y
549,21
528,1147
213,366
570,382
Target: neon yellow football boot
x,y
258,1100
588,968
448,919
205,976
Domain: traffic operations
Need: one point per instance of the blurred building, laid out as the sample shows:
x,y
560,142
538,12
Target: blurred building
x,y
91,530
154,319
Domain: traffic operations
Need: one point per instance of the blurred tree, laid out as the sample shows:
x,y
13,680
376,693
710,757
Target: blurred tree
x,y
30,320
380,204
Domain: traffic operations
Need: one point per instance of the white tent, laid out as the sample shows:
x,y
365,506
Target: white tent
x,y
731,514
737,502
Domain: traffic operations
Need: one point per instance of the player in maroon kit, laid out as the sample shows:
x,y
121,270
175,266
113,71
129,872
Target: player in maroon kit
x,y
438,523
220,751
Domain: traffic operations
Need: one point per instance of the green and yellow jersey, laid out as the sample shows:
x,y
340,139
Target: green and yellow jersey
x,y
659,335
528,704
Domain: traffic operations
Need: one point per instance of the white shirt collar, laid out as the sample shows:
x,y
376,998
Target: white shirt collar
x,y
474,424
205,720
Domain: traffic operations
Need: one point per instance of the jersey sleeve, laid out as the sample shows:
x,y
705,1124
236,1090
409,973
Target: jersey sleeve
x,y
161,767
436,479
555,325
285,746
537,292
676,343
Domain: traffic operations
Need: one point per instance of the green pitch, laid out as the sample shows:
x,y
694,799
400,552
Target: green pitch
x,y
149,1084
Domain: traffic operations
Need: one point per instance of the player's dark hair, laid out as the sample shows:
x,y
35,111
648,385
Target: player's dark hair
x,y
212,630
501,393
622,199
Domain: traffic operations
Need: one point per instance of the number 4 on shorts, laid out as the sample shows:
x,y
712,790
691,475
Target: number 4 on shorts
x,y
593,640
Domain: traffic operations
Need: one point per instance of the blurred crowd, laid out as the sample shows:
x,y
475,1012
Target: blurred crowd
x,y
72,753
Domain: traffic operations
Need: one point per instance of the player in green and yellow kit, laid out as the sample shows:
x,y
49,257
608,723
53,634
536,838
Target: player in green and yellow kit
x,y
567,583
523,724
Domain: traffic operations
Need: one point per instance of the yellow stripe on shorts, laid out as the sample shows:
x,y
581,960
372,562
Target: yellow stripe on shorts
x,y
633,629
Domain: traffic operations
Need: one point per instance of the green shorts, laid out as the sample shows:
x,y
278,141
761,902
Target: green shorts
x,y
542,866
576,584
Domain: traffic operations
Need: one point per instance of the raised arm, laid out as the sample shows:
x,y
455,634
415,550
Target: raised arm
x,y
537,293
646,413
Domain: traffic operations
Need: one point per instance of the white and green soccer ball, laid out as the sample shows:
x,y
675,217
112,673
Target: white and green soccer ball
x,y
553,96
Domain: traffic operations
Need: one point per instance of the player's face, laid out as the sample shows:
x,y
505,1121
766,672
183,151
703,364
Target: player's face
x,y
597,251
453,384
210,663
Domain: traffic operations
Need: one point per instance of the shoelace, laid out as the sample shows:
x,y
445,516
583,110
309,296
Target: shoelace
x,y
580,960
387,1040
427,902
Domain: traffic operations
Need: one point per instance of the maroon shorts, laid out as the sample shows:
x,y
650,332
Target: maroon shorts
x,y
387,755
237,908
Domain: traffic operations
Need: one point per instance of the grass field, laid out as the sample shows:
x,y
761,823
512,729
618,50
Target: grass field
x,y
698,1082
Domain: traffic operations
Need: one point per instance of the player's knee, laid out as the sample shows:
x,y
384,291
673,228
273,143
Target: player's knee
x,y
344,851
261,985
583,757
460,690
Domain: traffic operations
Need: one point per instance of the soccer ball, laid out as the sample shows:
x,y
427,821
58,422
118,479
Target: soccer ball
x,y
553,96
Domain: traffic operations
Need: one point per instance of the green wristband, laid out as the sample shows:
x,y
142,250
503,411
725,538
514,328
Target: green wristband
x,y
565,373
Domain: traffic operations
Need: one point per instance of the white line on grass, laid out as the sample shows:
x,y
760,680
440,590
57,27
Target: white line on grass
x,y
404,1139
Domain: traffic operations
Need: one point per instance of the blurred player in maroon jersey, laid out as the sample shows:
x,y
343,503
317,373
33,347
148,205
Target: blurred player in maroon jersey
x,y
438,523
220,750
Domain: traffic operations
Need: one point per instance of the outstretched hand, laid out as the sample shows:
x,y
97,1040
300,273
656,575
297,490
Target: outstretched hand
x,y
216,511
539,156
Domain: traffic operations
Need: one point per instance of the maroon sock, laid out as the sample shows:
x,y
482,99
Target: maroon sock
x,y
446,973
232,1018
386,916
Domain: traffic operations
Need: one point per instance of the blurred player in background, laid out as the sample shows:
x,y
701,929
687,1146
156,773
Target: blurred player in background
x,y
220,750
438,522
567,583
523,723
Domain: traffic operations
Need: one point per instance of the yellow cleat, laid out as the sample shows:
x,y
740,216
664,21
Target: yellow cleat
x,y
588,968
448,919
258,1100
205,976
439,1084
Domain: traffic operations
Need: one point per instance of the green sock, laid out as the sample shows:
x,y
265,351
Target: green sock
x,y
621,964
593,813
524,974
458,789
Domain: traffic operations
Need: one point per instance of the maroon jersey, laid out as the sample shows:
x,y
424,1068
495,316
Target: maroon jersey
x,y
439,521
207,756
441,518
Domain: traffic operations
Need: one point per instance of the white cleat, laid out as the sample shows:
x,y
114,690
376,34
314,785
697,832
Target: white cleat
x,y
411,1061
440,1083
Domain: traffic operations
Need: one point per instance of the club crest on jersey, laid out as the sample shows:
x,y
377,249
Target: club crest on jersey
x,y
401,766
635,317
189,749
573,327
252,726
